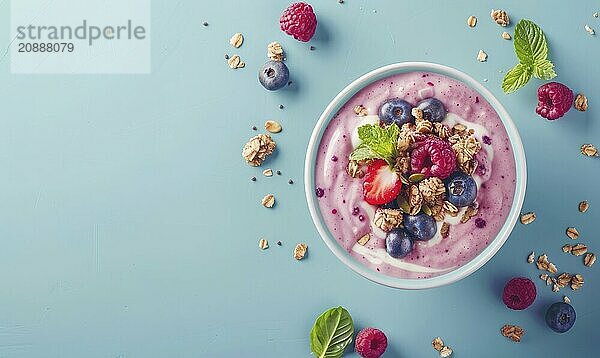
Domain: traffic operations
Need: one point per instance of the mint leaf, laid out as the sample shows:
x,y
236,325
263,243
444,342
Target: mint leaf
x,y
363,152
377,143
532,51
331,333
530,42
516,78
544,70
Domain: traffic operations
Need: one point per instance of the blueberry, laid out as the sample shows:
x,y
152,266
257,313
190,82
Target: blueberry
x,y
396,110
560,317
398,243
391,205
462,189
433,109
273,75
422,227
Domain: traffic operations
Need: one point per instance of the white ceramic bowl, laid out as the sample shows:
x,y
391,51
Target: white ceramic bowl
x,y
309,177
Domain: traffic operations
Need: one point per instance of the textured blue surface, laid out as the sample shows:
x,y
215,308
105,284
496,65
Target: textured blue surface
x,y
129,225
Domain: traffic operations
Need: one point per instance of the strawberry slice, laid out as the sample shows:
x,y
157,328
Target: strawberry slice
x,y
382,183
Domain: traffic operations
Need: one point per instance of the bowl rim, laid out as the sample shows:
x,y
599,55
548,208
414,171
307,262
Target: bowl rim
x,y
310,161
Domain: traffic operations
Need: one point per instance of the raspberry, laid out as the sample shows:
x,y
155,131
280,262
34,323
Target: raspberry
x,y
370,343
433,157
519,293
299,21
554,100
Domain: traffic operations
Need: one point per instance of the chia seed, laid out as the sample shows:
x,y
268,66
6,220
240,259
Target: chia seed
x,y
480,223
334,211
281,106
361,218
312,48
487,140
290,182
278,243
334,158
253,178
355,211
226,56
278,172
205,23
320,192
254,128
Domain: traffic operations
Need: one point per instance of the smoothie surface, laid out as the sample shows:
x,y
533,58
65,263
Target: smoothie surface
x,y
348,217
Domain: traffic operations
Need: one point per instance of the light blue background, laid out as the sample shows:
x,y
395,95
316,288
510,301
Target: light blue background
x,y
129,225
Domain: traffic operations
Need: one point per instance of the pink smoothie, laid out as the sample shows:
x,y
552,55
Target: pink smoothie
x,y
343,194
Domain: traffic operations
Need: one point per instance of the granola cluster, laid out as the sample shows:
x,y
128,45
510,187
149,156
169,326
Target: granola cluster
x,y
387,219
258,149
427,194
466,146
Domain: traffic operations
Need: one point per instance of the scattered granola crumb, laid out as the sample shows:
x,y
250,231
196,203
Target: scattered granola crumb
x,y
275,52
268,172
567,248
576,282
300,251
506,35
531,257
581,102
235,62
481,56
589,30
273,126
545,265
236,40
572,233
514,333
268,201
263,244
566,299
437,344
589,150
589,259
360,110
500,17
445,230
445,352
472,21
528,218
364,239
583,206
579,249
